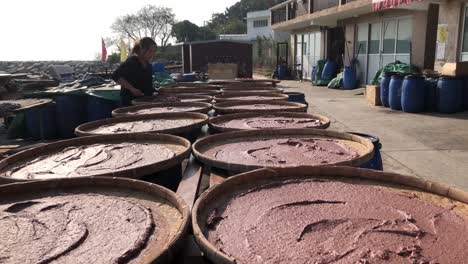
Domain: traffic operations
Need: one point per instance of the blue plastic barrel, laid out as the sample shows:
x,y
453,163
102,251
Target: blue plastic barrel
x,y
394,92
413,94
282,71
384,89
190,77
313,74
41,123
431,94
99,108
329,71
158,67
465,101
296,97
349,78
450,95
376,162
71,112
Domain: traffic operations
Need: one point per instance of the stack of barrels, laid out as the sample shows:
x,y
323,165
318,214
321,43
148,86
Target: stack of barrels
x,y
416,94
67,111
108,195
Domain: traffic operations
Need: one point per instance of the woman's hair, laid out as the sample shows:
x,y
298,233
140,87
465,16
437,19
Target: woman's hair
x,y
143,44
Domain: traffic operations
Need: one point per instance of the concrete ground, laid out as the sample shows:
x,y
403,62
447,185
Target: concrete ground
x,y
429,145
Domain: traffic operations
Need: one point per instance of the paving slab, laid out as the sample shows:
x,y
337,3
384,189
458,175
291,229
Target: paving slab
x,y
428,145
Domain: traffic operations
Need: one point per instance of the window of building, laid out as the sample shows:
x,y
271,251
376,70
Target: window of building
x,y
389,36
405,31
308,48
361,52
464,54
374,42
362,37
260,23
381,43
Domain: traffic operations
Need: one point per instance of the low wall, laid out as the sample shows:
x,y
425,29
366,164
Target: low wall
x,y
41,67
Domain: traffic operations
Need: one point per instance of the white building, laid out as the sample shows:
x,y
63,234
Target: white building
x,y
258,25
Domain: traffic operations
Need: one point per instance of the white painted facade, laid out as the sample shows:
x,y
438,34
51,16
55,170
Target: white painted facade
x,y
258,25
236,37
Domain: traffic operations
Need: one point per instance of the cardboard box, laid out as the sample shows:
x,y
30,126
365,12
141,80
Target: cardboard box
x,y
222,71
455,69
373,95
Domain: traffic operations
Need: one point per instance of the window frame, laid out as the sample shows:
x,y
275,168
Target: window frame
x,y
381,53
260,23
462,32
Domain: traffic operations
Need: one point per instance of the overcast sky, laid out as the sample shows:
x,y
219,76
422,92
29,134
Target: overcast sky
x,y
72,30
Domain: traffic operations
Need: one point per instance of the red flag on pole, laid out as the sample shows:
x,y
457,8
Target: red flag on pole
x,y
104,51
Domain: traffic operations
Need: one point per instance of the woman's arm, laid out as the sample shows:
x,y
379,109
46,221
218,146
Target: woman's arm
x,y
126,85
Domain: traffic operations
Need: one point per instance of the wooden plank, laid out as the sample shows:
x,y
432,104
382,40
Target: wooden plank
x,y
188,186
31,104
9,146
25,104
191,253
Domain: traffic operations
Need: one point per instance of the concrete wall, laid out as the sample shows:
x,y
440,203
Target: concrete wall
x,y
350,35
280,36
311,29
254,32
418,43
431,36
451,14
235,37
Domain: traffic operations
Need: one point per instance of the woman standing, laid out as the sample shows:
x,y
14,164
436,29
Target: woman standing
x,y
135,74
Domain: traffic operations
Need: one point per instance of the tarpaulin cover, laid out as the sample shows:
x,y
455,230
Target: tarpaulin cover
x,y
395,67
337,82
111,95
318,74
162,79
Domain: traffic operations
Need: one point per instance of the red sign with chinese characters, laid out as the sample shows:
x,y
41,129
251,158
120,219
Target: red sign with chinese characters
x,y
385,4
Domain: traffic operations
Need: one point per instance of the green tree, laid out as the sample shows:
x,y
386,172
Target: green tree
x,y
236,27
150,21
232,21
185,31
168,53
259,47
206,33
113,58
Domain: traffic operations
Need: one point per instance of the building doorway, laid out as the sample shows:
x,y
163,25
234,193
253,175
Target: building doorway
x,y
308,52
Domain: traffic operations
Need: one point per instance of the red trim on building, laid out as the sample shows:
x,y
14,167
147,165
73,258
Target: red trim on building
x,y
385,4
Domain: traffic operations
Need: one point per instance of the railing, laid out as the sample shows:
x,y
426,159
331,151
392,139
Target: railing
x,y
278,15
301,7
292,8
319,5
